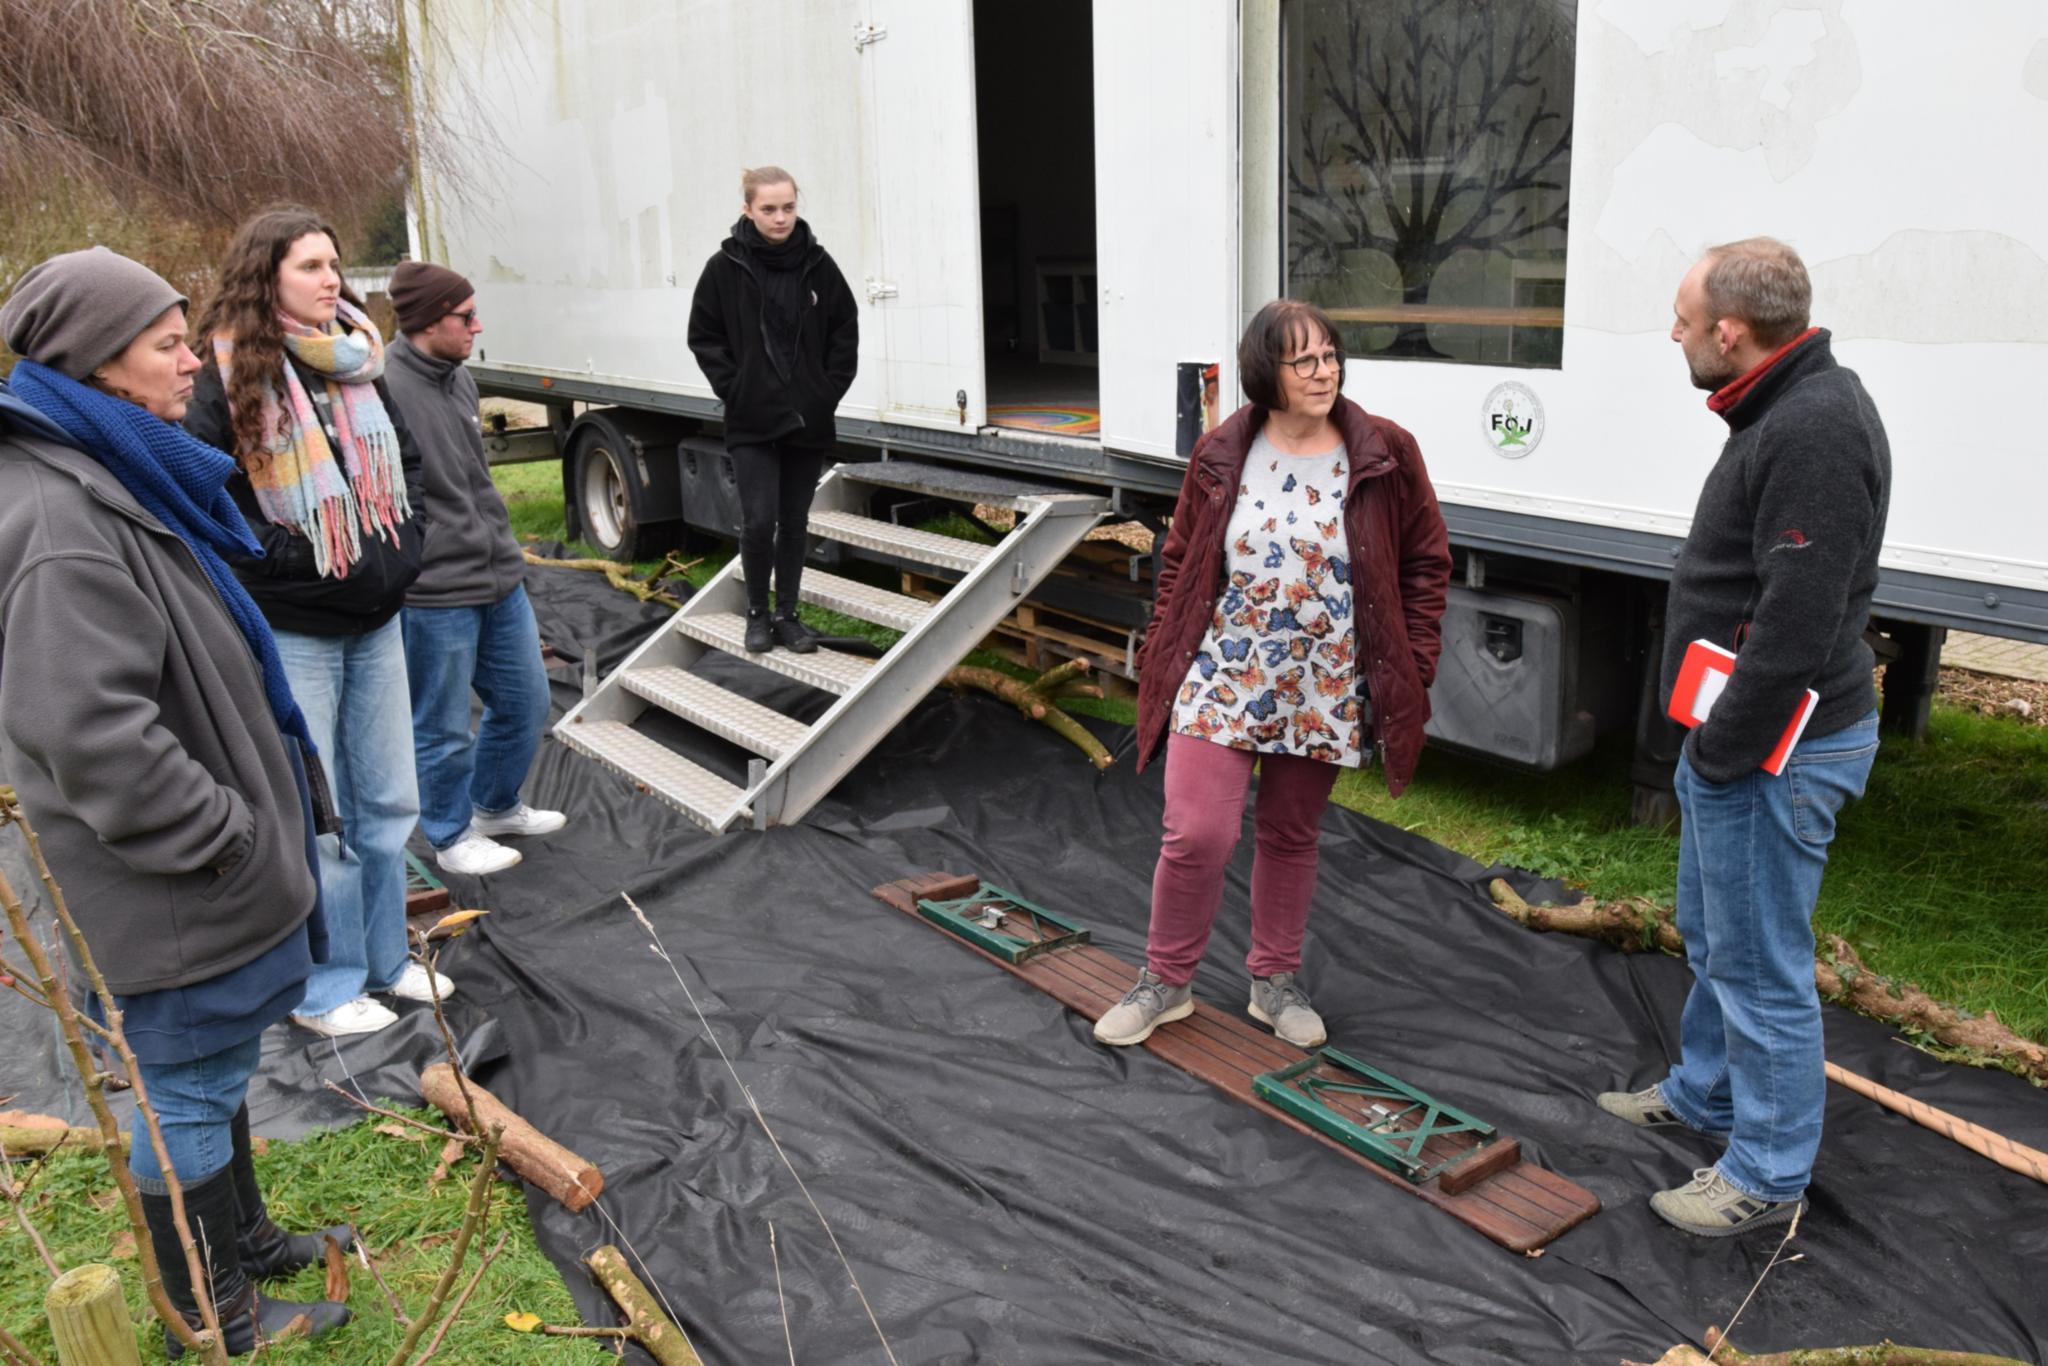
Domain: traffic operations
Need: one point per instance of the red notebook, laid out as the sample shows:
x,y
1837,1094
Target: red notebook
x,y
1702,676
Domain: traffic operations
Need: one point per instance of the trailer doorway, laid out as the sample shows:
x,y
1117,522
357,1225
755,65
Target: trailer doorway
x,y
1034,82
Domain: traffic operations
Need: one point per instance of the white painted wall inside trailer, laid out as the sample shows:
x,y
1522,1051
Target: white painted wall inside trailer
x,y
1895,149
603,151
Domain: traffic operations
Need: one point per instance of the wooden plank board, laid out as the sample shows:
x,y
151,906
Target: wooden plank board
x,y
1521,1207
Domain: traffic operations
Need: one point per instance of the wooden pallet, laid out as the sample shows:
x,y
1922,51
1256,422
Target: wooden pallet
x,y
1039,637
1520,1206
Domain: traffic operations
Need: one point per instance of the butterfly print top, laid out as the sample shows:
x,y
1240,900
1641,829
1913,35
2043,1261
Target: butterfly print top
x,y
1273,673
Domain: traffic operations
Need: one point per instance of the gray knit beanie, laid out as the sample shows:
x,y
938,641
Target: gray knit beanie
x,y
77,311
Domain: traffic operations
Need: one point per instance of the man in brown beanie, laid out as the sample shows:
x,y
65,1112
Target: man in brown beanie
x,y
468,625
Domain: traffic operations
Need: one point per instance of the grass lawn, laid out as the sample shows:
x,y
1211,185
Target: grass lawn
x,y
384,1186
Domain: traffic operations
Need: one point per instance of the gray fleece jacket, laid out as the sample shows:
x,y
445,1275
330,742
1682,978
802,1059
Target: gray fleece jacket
x,y
134,727
1781,561
471,558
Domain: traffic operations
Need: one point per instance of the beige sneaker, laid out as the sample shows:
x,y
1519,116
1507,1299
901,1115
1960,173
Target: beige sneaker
x,y
1278,1002
1646,1109
1143,1009
1709,1206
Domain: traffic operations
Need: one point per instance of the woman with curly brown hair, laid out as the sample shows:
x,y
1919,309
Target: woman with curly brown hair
x,y
328,479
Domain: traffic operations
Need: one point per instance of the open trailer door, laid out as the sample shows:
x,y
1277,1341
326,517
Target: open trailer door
x,y
926,299
1165,169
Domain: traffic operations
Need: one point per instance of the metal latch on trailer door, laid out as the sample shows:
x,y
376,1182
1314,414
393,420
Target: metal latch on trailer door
x,y
866,36
879,290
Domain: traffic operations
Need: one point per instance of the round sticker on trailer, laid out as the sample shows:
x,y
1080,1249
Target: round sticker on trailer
x,y
1513,420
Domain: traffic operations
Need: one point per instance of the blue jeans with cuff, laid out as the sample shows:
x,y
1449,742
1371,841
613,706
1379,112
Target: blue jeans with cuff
x,y
494,650
1750,859
357,705
195,1103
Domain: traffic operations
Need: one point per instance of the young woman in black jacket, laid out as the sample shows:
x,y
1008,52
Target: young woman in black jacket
x,y
775,331
328,479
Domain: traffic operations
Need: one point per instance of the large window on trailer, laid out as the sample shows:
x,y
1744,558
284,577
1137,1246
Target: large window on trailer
x,y
1427,173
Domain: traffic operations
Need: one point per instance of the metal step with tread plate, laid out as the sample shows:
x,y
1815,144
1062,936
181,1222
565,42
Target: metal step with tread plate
x,y
852,598
951,482
926,547
827,670
697,792
725,714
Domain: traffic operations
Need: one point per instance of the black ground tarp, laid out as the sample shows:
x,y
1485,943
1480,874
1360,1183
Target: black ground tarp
x,y
1007,1191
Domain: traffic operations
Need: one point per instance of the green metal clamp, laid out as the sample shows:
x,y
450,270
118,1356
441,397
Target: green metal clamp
x,y
979,919
1402,1118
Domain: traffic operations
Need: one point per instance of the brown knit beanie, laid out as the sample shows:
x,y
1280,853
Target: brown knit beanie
x,y
423,293
77,311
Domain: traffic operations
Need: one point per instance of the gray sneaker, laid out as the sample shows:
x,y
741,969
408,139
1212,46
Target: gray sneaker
x,y
1646,1109
1276,1001
1143,1009
1710,1207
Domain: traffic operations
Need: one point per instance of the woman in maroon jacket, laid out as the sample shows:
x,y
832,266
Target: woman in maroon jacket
x,y
1296,627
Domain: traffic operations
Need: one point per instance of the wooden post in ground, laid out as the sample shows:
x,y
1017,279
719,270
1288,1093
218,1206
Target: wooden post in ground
x,y
89,1318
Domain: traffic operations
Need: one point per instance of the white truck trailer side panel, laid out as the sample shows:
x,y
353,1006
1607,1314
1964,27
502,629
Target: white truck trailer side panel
x,y
1166,206
1882,145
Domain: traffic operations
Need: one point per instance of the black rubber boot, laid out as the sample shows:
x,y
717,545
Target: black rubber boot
x,y
267,1250
760,635
245,1316
794,636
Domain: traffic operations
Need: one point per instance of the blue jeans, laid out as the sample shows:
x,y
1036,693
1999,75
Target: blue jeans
x,y
1750,859
194,1103
354,694
496,651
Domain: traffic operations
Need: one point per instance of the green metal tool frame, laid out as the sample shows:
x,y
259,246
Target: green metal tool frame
x,y
1295,1090
418,878
962,917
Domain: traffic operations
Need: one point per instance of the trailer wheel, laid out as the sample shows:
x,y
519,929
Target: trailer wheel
x,y
604,499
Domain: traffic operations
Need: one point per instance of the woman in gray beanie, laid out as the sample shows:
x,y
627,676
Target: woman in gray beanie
x,y
148,730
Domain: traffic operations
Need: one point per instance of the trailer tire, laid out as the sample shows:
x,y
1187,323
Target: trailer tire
x,y
604,498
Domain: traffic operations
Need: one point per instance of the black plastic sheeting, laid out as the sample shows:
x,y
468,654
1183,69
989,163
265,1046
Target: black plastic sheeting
x,y
1006,1190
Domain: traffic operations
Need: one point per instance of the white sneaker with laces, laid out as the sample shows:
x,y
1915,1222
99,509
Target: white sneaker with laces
x,y
360,1016
476,854
420,983
520,820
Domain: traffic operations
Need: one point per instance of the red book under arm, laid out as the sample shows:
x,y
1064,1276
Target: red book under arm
x,y
1701,677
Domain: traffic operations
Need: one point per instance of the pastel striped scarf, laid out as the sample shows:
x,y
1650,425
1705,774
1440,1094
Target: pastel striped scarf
x,y
332,499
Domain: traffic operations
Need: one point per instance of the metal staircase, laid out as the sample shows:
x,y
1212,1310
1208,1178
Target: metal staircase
x,y
798,764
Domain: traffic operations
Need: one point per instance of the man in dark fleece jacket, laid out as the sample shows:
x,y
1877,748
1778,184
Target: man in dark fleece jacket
x,y
468,624
1779,567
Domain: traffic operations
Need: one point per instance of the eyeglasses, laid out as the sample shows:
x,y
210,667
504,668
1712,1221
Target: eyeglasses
x,y
1305,366
468,319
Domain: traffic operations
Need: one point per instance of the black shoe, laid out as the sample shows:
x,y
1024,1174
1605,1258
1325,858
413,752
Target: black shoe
x,y
794,636
760,635
267,1250
246,1318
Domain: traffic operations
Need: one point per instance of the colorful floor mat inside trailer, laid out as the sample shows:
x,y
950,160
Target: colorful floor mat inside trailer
x,y
1007,1190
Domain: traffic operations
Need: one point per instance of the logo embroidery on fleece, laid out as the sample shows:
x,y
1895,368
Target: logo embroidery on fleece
x,y
1791,538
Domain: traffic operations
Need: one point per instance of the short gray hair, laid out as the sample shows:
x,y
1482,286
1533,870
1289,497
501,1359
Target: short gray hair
x,y
1762,283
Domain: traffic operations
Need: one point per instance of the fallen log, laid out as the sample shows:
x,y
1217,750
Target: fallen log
x,y
1038,699
572,1180
1875,1354
35,1140
652,1328
1638,925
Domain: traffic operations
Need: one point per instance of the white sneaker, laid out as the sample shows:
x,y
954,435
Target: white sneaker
x,y
420,983
360,1016
520,820
475,854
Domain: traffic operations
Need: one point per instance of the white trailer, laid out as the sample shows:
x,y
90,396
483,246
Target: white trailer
x,y
1067,208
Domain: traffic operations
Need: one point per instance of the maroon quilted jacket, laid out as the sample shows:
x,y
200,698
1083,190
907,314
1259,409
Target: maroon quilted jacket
x,y
1400,567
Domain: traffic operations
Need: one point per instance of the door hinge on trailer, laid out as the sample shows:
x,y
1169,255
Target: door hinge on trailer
x,y
866,36
879,290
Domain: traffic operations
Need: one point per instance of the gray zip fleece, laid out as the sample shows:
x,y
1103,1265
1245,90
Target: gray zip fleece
x,y
471,558
135,730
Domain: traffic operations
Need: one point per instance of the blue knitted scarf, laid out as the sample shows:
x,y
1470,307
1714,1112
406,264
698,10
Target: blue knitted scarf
x,y
182,482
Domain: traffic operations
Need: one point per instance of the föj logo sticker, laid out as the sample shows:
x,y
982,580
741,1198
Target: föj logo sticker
x,y
1512,418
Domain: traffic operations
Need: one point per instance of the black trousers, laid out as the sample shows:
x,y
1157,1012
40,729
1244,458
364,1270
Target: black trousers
x,y
776,482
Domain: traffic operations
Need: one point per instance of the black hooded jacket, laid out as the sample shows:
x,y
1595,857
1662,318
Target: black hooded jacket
x,y
727,337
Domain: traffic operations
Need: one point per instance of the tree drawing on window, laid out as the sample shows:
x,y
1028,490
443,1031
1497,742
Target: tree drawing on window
x,y
1426,128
